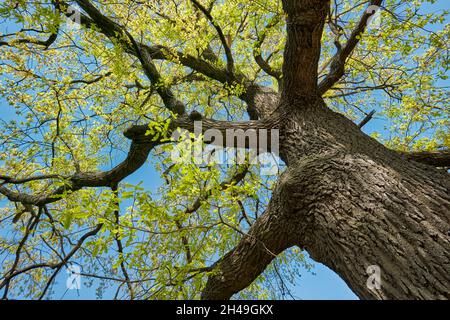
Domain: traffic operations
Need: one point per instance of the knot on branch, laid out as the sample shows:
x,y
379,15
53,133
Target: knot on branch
x,y
195,116
135,131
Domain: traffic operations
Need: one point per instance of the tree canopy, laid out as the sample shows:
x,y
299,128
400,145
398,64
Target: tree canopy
x,y
92,91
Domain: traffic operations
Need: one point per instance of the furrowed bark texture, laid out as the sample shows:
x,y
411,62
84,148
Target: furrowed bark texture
x,y
345,198
358,204
351,203
305,21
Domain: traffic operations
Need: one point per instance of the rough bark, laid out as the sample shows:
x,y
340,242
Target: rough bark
x,y
345,198
351,203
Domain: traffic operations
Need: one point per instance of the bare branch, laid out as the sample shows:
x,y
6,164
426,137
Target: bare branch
x,y
337,65
141,146
228,54
119,243
106,25
366,119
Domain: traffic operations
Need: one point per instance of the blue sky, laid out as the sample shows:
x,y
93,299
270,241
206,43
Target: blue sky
x,y
321,283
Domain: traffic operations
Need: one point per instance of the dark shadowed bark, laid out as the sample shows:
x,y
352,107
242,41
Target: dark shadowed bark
x,y
351,203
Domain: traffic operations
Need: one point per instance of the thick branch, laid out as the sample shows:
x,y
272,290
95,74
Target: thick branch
x,y
366,119
45,43
432,158
263,64
254,95
11,180
158,52
305,21
141,146
337,67
261,101
267,238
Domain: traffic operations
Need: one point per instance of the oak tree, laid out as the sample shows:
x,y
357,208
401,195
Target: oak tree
x,y
99,87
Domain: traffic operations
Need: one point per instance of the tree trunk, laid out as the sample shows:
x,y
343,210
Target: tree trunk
x,y
345,198
351,203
